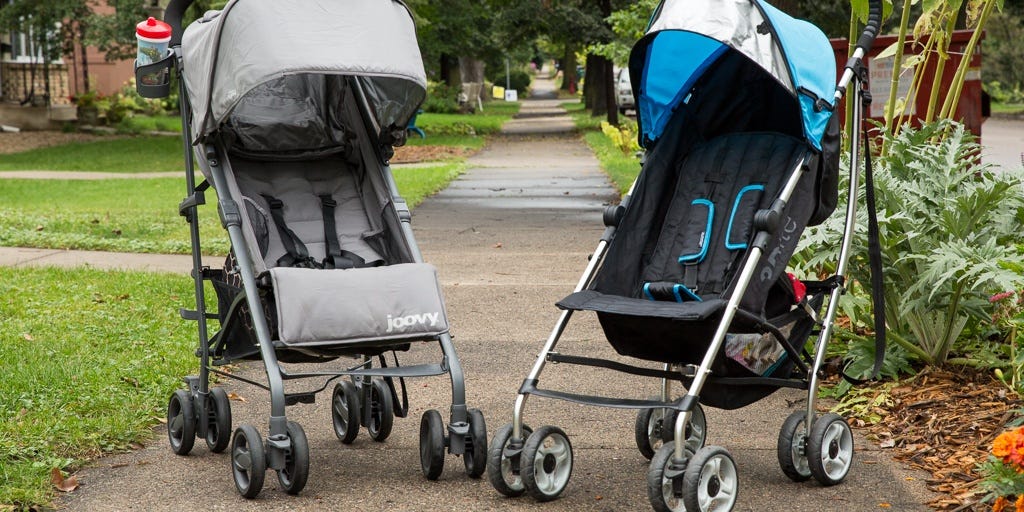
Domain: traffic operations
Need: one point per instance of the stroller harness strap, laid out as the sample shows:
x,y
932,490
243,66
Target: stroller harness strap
x,y
297,254
336,256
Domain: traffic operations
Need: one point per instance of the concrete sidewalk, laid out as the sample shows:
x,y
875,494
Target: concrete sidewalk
x,y
510,237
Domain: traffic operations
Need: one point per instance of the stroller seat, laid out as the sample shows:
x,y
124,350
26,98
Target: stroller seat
x,y
693,247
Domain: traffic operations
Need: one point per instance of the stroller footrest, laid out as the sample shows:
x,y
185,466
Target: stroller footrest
x,y
322,307
601,401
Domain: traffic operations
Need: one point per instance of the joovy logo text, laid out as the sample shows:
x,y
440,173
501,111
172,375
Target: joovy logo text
x,y
402,322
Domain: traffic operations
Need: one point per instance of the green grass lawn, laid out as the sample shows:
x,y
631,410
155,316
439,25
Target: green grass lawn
x,y
141,123
1008,108
127,154
485,122
581,117
88,360
130,215
622,169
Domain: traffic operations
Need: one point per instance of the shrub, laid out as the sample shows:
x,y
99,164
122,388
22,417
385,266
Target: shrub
x,y
441,99
518,79
623,136
949,229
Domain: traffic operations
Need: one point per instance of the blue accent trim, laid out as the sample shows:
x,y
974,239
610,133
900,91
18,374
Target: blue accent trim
x,y
732,216
699,256
647,291
689,293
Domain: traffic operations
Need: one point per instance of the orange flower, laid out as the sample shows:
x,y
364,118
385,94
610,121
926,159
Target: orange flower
x,y
1019,505
1010,447
999,505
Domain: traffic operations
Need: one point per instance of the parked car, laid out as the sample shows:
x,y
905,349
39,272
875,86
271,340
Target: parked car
x,y
623,91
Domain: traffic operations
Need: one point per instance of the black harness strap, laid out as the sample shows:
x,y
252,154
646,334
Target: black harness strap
x,y
336,257
296,253
874,259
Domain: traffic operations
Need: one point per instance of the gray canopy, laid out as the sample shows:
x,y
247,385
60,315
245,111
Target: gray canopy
x,y
250,51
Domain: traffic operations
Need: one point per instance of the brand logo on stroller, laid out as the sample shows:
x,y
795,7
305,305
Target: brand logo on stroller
x,y
785,241
401,322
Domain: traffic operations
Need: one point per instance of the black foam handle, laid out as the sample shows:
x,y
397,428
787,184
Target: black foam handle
x,y
867,38
172,16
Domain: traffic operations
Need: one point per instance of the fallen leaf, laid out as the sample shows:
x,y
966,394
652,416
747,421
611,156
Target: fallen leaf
x,y
136,446
236,397
884,505
39,228
888,443
116,232
497,245
63,484
27,336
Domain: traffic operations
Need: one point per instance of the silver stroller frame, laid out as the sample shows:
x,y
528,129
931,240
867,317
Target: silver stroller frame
x,y
509,466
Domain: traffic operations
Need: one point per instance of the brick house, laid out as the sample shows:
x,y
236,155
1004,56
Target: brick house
x,y
24,77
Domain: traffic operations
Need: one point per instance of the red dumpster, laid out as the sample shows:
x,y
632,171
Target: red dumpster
x,y
969,111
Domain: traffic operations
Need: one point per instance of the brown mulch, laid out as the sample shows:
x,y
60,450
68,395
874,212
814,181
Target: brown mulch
x,y
24,141
943,422
414,154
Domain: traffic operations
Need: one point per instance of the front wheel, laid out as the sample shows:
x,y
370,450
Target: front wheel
x,y
710,482
248,461
382,411
295,472
546,464
181,422
431,444
830,449
345,412
503,463
475,456
792,447
665,479
218,413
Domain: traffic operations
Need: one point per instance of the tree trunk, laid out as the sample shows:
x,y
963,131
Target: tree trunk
x,y
598,84
450,70
85,59
589,88
570,80
609,87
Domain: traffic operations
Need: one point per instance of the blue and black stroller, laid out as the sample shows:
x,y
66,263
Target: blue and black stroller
x,y
735,105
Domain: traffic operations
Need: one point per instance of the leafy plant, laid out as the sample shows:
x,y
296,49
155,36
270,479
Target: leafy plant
x,y
948,227
1003,472
623,136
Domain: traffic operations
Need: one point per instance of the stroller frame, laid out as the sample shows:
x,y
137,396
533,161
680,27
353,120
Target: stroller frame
x,y
509,466
202,411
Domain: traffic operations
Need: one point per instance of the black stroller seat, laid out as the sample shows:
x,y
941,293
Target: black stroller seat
x,y
685,268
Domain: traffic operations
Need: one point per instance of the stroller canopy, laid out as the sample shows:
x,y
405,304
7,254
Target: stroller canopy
x,y
685,38
256,48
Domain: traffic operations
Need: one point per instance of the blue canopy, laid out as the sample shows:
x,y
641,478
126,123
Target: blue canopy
x,y
686,37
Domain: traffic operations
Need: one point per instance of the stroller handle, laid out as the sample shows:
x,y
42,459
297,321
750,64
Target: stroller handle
x,y
175,12
867,38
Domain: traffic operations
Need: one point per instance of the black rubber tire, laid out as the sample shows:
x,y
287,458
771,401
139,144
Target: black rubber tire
x,y
696,431
710,482
248,461
181,422
218,427
659,490
345,411
502,471
431,444
546,464
647,430
295,473
382,415
475,456
830,449
792,447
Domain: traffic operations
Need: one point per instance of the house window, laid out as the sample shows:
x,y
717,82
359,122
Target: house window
x,y
26,48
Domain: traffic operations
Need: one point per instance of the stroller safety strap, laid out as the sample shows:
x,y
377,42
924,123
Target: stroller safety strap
x,y
297,254
336,257
670,291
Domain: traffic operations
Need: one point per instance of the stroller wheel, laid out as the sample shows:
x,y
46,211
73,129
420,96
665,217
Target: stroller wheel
x,y
710,481
382,411
546,463
665,479
655,426
502,466
792,448
431,444
248,461
345,411
475,456
218,413
181,422
295,472
830,449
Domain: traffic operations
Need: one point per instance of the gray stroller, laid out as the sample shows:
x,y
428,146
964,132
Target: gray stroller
x,y
291,109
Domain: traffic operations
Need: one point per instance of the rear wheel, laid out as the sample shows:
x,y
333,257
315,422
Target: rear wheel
x,y
345,411
382,411
248,461
181,422
710,482
665,480
218,414
792,447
